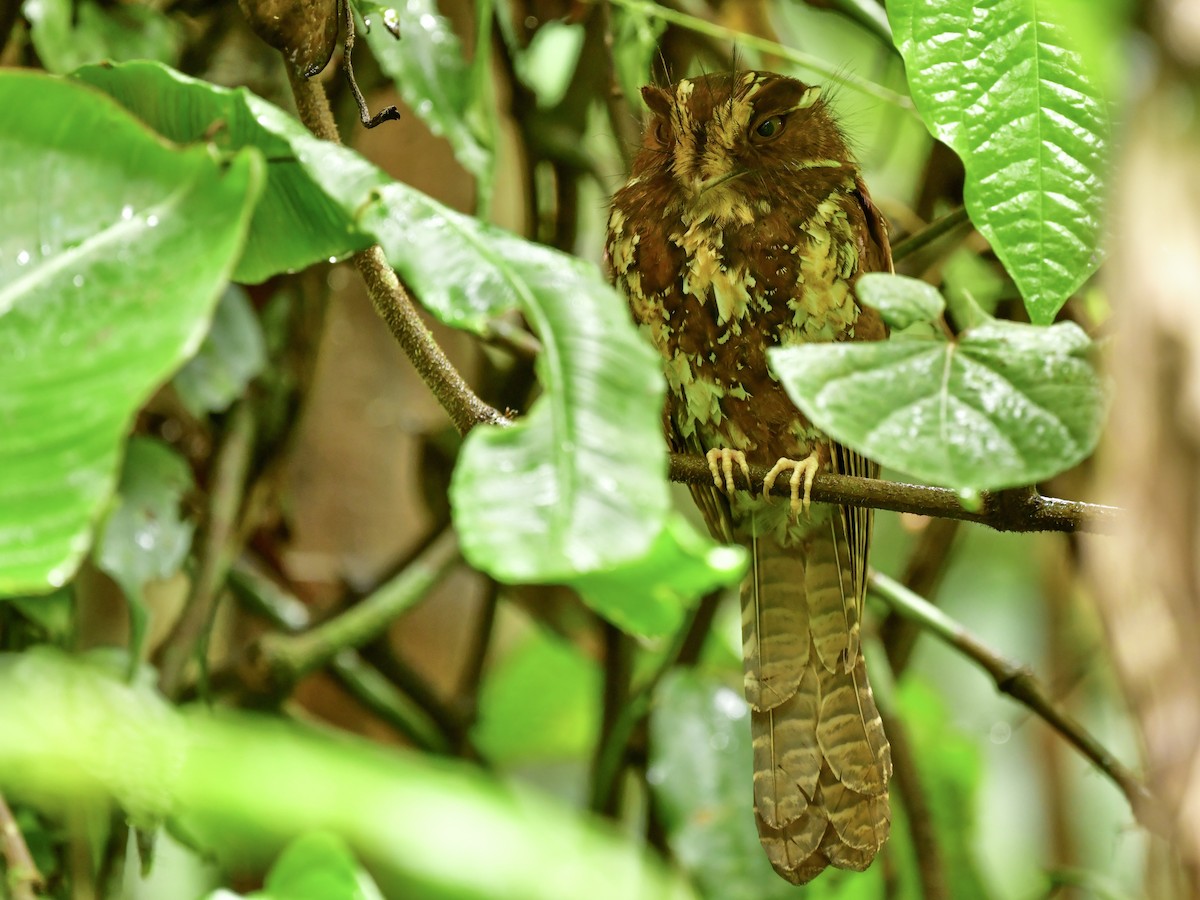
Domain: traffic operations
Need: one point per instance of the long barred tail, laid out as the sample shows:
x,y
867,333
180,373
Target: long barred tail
x,y
821,760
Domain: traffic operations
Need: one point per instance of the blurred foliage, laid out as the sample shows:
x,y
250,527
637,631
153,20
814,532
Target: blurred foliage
x,y
168,264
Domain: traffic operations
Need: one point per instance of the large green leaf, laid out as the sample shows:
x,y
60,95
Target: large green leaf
x,y
104,291
241,787
1006,404
575,492
1002,84
419,50
313,187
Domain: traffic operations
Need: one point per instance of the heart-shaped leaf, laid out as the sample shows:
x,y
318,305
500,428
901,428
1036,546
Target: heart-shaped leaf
x,y
1006,404
104,291
317,866
1003,85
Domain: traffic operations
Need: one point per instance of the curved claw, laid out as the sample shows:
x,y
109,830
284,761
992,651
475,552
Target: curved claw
x,y
805,469
720,463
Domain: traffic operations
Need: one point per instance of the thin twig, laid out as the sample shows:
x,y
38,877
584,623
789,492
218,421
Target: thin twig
x,y
390,298
22,876
922,575
471,676
1015,510
365,683
389,113
285,658
930,233
189,638
763,45
612,746
1021,684
400,710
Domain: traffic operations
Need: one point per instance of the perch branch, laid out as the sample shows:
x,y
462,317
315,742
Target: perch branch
x,y
390,298
1015,510
1004,511
1022,685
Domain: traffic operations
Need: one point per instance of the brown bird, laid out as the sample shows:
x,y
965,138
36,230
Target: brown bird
x,y
744,226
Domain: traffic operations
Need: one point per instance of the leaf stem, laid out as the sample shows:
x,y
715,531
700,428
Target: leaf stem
x,y
763,45
1020,683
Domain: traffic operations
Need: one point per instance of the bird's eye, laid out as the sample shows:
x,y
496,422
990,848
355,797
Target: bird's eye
x,y
662,131
769,128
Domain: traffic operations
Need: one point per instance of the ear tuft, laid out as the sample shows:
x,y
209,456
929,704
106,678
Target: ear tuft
x,y
658,100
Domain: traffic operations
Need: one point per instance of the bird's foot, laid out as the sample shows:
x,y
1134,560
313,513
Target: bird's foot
x,y
720,463
802,469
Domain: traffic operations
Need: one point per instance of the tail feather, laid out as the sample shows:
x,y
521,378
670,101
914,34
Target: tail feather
x,y
821,760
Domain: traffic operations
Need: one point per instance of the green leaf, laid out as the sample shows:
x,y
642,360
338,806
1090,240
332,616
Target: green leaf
x,y
1007,404
317,866
144,538
240,787
1002,84
541,703
973,284
313,188
233,353
105,291
634,44
67,35
575,492
427,65
548,64
650,595
902,301
700,776
52,615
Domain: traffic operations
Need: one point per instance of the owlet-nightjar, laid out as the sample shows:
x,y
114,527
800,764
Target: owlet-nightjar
x,y
744,226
